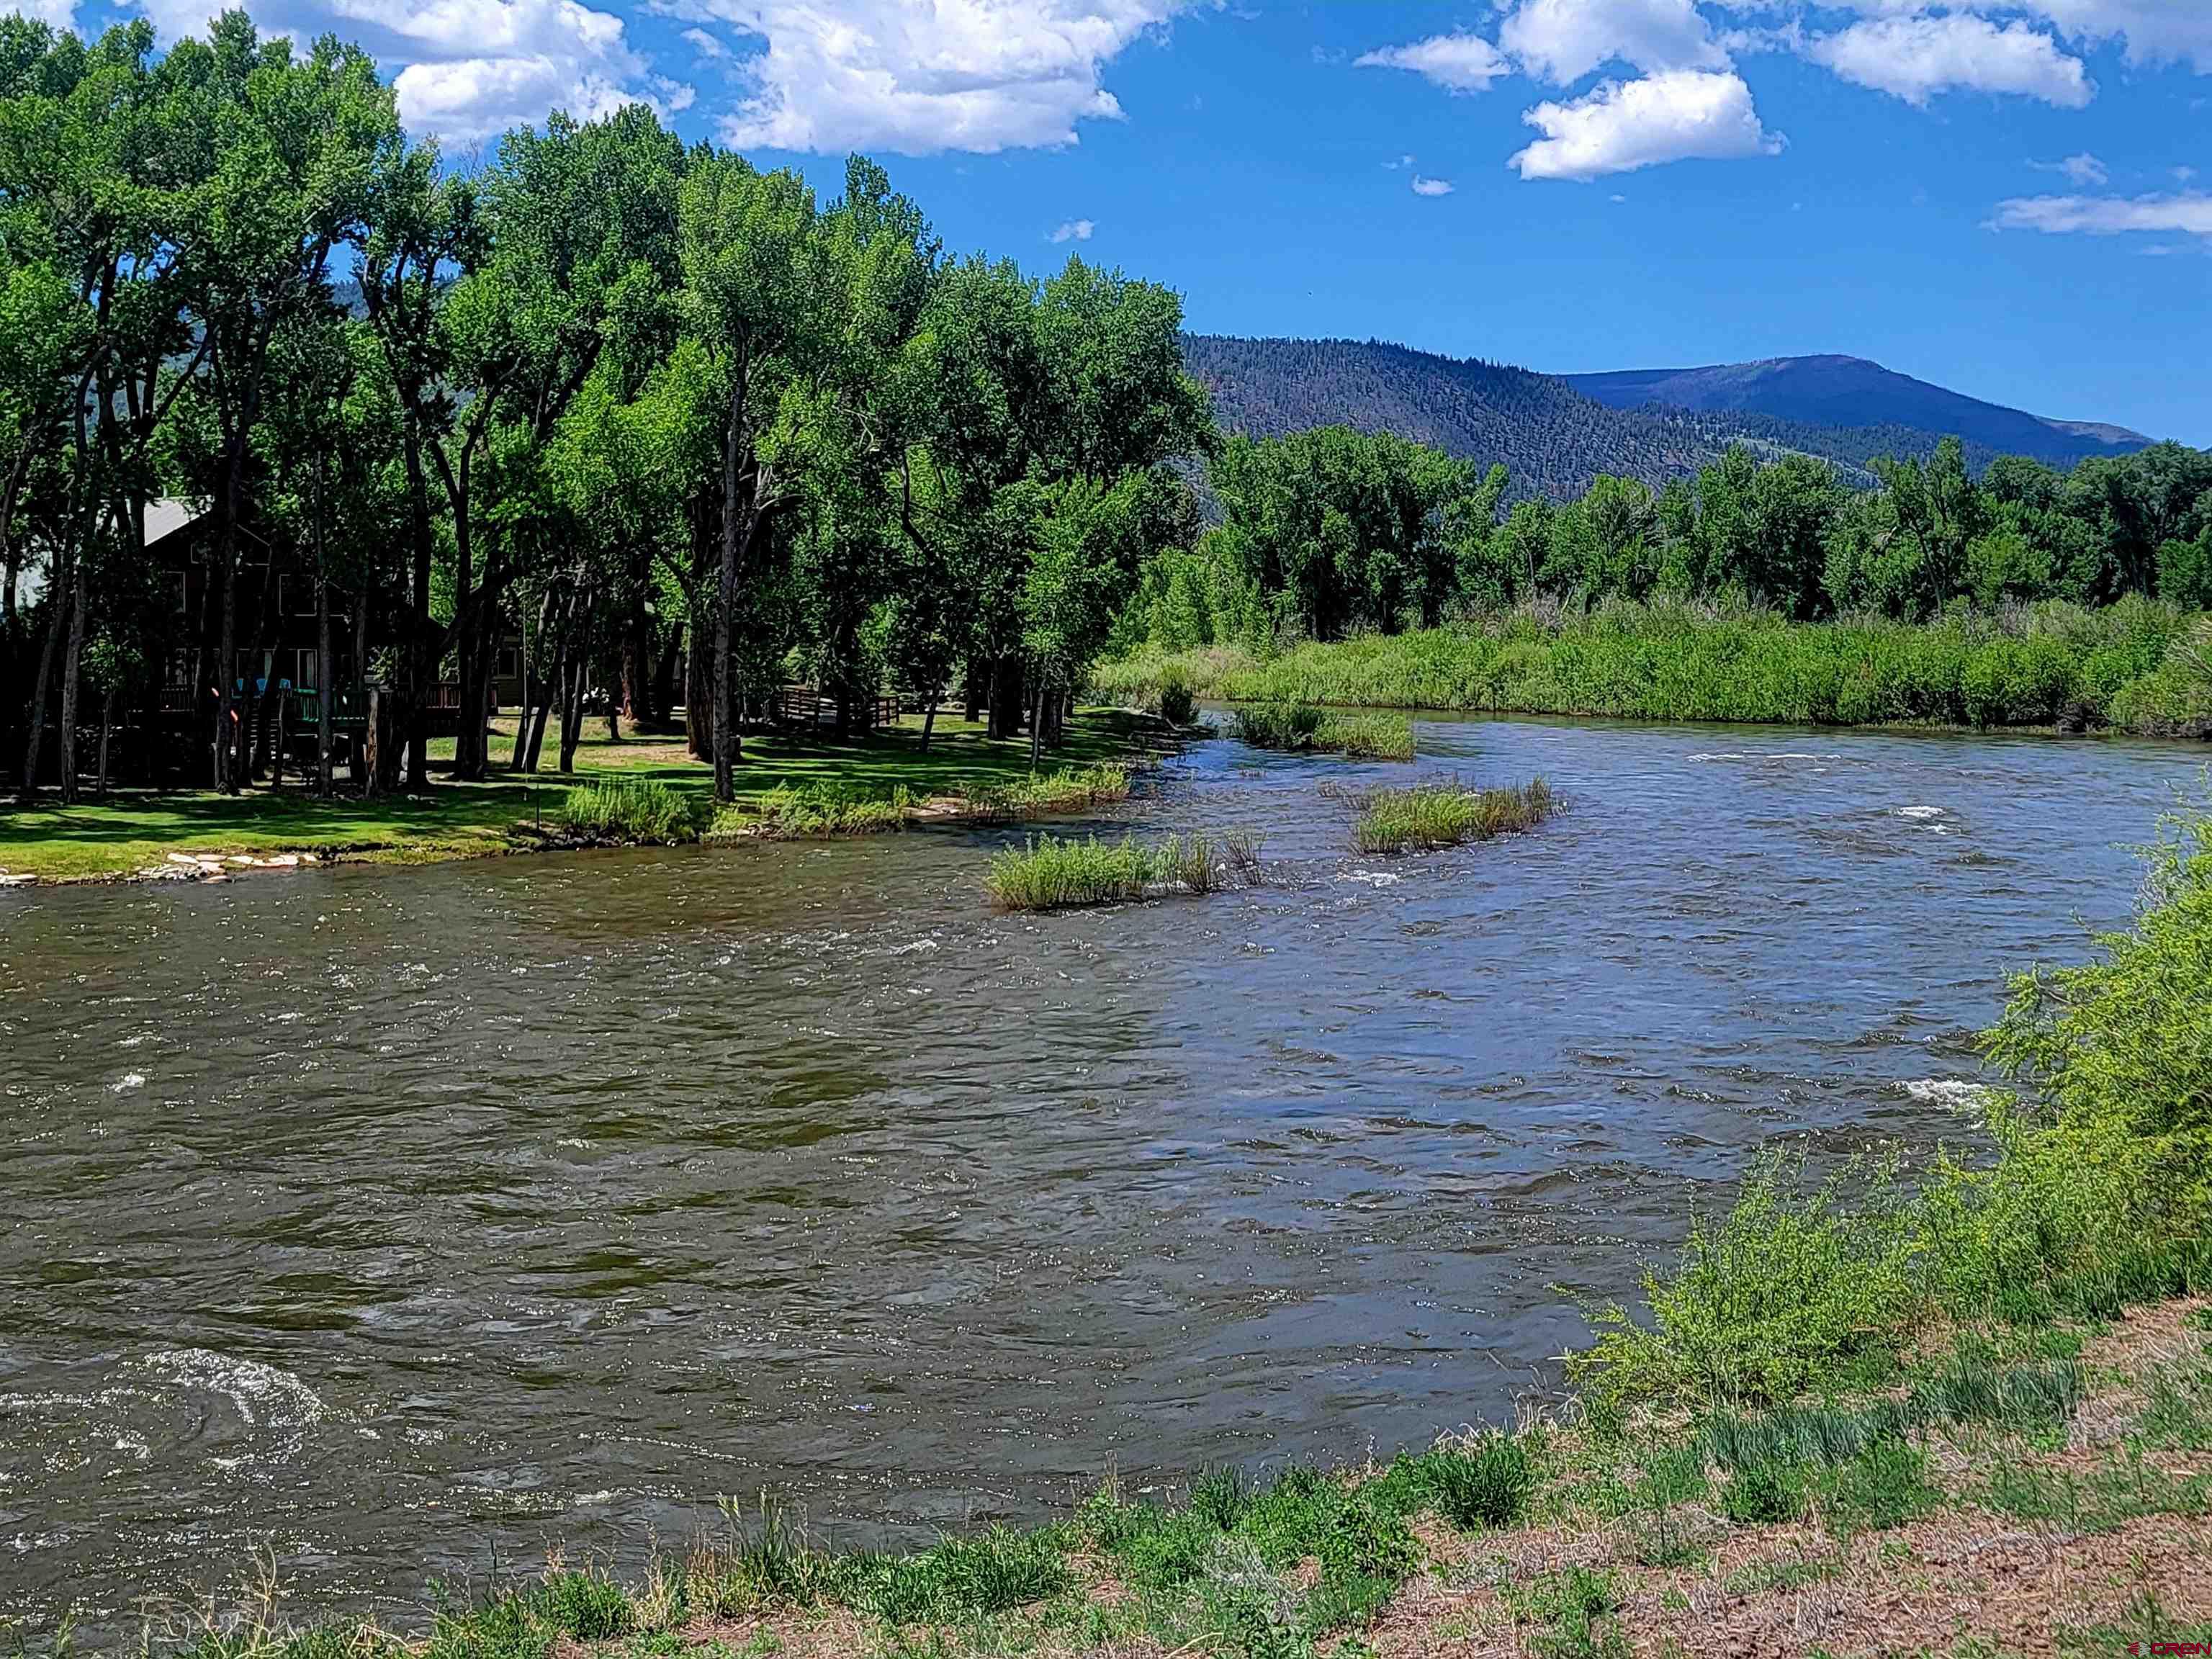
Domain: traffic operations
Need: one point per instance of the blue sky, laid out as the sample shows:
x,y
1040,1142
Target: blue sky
x,y
2013,197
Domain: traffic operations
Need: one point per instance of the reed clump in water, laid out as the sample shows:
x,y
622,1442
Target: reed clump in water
x,y
1051,872
1432,815
1302,728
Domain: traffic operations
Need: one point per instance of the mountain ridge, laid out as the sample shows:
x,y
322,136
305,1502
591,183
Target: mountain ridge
x,y
1554,437
1835,389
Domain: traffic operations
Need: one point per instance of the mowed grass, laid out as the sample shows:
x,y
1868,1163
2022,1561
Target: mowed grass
x,y
1432,815
134,830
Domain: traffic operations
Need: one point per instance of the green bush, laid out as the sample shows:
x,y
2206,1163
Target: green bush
x,y
2102,1190
1789,1291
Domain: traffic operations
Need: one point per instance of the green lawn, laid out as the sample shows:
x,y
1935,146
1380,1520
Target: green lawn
x,y
134,829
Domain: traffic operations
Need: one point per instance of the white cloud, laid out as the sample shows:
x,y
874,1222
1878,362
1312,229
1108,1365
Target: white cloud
x,y
61,14
469,70
1073,230
2190,213
1623,125
2152,31
1462,63
919,79
708,44
1915,58
2085,171
2147,31
1563,40
1423,186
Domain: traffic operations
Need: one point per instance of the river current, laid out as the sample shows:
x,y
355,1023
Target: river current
x,y
404,1221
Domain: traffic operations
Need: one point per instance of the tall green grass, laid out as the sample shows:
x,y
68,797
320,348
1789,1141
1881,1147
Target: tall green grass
x,y
1302,728
641,810
2130,666
1431,815
1053,873
1065,789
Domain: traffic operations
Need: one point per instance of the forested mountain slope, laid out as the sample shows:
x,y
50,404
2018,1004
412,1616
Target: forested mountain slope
x,y
1851,391
1555,437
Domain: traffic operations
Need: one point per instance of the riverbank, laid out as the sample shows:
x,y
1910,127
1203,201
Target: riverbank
x,y
784,783
1963,1410
2128,668
2052,1498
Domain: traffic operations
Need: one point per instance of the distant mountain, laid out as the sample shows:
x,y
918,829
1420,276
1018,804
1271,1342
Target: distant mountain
x,y
1555,434
1553,438
1851,391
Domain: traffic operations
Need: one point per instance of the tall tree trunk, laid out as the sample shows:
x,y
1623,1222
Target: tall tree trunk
x,y
525,723
698,693
70,663
1036,723
572,708
106,729
26,788
726,725
326,692
929,718
227,717
422,666
362,773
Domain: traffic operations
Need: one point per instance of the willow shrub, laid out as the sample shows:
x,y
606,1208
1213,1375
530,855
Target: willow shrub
x,y
2099,1193
2102,1189
1789,1290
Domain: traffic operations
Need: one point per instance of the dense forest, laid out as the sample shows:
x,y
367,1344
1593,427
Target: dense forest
x,y
296,418
633,406
1336,532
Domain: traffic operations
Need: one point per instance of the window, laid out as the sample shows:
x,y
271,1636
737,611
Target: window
x,y
179,592
510,663
295,595
307,672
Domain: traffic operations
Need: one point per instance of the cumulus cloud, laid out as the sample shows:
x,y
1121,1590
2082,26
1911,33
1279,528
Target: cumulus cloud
x,y
1915,57
2189,212
979,75
2149,31
1461,63
1679,115
708,44
1424,187
1563,40
470,69
1073,230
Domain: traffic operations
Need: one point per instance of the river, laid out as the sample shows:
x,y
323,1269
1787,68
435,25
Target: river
x,y
406,1220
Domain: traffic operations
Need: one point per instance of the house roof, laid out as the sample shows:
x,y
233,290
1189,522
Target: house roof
x,y
167,514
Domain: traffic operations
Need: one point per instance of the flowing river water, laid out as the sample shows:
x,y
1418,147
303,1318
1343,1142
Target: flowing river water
x,y
404,1221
